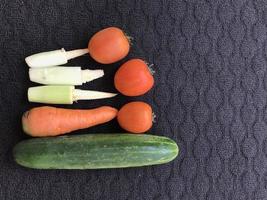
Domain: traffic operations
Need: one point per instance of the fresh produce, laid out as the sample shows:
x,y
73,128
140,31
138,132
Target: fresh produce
x,y
109,45
133,78
106,46
136,117
95,151
53,58
62,94
63,75
50,121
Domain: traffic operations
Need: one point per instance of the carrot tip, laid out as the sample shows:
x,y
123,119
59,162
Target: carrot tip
x,y
25,128
26,114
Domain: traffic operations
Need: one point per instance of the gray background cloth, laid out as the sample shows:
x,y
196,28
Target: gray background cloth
x,y
210,95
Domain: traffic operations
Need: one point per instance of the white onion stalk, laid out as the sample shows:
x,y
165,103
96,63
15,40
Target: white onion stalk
x,y
63,75
53,58
63,94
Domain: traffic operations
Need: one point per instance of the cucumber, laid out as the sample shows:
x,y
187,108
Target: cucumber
x,y
95,151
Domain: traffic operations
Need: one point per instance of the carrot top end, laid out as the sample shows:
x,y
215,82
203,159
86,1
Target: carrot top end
x,y
24,123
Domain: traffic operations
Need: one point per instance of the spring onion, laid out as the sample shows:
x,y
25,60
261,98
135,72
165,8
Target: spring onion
x,y
63,75
53,58
63,94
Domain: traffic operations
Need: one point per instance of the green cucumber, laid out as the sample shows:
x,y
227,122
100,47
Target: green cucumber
x,y
95,151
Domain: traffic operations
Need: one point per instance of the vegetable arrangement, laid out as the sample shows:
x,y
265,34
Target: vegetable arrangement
x,y
92,151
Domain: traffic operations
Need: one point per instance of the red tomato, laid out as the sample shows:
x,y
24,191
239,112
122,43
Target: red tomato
x,y
109,45
135,117
133,78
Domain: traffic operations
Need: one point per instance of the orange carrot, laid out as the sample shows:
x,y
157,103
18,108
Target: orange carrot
x,y
50,121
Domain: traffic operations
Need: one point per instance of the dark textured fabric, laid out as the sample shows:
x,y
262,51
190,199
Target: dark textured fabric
x,y
210,95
